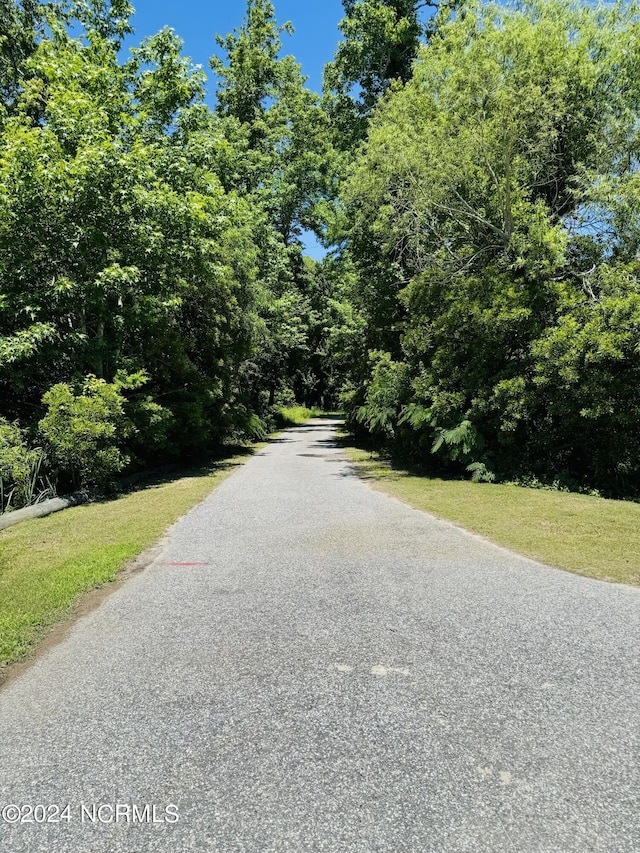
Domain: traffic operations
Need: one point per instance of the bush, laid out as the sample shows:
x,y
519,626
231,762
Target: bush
x,y
385,392
22,480
85,432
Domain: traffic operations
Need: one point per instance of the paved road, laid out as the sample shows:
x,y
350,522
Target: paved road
x,y
344,674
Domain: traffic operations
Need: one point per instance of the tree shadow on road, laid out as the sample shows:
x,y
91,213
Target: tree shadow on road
x,y
225,458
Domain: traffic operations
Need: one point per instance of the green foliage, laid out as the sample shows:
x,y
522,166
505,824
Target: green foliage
x,y
286,416
285,172
460,440
164,81
492,220
119,247
252,73
19,25
108,19
288,158
23,480
84,430
584,372
481,307
384,394
381,40
480,473
147,240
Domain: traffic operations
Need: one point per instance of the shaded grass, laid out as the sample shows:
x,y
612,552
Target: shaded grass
x,y
47,563
586,535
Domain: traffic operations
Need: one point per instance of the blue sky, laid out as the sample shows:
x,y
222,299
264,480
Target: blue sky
x,y
198,21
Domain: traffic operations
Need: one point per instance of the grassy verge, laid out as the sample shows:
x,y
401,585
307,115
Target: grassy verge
x,y
587,535
296,415
46,564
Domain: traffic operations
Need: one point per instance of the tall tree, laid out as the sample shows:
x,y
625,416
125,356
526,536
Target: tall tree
x,y
286,172
19,24
288,164
115,252
252,73
498,185
381,42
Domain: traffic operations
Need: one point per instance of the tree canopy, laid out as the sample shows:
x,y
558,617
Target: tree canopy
x,y
497,185
471,168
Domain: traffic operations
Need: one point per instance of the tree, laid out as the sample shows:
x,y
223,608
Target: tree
x,y
288,154
116,254
285,173
498,186
108,19
253,73
19,25
380,45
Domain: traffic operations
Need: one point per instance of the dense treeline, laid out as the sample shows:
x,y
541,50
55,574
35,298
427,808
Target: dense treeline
x,y
155,300
493,220
472,169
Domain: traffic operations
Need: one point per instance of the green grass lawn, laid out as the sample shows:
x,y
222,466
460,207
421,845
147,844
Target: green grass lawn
x,y
582,534
47,563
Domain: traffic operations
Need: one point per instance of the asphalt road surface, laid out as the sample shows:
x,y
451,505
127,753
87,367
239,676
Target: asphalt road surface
x,y
334,671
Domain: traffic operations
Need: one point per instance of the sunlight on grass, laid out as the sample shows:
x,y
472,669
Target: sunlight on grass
x,y
296,415
45,564
582,534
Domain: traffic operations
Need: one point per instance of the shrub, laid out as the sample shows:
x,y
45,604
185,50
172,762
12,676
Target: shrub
x,y
85,432
22,478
